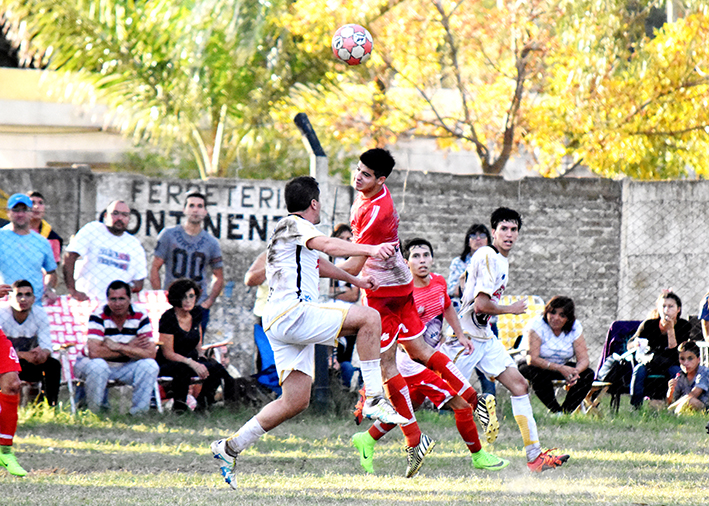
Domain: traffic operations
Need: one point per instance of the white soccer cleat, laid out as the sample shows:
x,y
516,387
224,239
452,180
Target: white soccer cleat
x,y
379,408
227,463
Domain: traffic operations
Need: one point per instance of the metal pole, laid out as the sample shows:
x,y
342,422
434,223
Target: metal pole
x,y
318,170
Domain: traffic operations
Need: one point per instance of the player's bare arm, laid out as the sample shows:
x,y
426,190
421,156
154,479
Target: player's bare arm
x,y
330,270
339,248
485,305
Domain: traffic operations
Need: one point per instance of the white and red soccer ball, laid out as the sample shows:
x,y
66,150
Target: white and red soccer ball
x,y
352,44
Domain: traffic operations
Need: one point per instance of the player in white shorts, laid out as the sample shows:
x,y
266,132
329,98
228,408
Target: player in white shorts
x,y
487,276
294,322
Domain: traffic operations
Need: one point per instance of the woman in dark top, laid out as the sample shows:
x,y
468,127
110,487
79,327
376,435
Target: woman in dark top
x,y
180,355
664,330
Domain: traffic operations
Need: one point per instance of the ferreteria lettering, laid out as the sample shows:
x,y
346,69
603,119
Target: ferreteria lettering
x,y
243,196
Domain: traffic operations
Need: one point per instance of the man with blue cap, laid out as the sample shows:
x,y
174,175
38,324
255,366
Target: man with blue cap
x,y
24,254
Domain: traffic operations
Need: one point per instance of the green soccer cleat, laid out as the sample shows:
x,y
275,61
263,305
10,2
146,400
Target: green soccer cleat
x,y
484,460
9,462
364,442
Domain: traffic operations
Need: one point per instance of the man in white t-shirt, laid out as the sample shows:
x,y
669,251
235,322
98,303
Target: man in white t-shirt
x,y
295,322
487,277
102,253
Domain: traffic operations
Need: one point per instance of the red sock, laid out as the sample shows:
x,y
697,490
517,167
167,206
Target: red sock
x,y
446,369
8,418
398,393
379,429
467,429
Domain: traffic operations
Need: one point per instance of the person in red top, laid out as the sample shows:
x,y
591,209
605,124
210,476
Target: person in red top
x,y
433,305
374,220
9,400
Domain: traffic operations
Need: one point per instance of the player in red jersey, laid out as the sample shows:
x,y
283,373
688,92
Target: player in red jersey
x,y
9,401
432,305
374,220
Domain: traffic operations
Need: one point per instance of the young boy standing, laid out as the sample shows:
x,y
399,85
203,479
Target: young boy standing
x,y
487,277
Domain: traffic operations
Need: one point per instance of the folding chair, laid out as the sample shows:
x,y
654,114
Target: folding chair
x,y
510,326
267,374
614,348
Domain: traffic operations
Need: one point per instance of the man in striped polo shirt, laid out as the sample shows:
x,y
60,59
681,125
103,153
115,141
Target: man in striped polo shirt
x,y
119,347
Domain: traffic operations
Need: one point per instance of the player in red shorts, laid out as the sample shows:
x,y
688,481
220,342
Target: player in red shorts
x,y
9,401
432,305
374,220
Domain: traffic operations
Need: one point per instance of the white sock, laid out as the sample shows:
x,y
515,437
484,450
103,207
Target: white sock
x,y
372,376
247,435
522,411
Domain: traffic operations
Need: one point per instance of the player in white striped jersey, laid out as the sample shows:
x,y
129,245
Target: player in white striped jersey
x,y
294,321
487,276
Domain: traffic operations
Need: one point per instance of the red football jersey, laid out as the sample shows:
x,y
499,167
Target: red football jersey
x,y
375,221
433,299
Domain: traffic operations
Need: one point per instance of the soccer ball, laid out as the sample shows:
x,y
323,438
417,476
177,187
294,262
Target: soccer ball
x,y
352,44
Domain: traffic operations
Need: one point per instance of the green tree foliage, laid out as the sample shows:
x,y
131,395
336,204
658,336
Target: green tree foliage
x,y
200,73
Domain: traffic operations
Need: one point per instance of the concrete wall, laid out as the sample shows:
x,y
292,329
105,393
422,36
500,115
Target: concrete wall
x,y
609,245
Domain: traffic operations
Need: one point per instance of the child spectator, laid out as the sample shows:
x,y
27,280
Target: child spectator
x,y
689,390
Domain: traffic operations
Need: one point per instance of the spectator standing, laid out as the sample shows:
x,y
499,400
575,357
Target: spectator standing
x,y
476,237
186,250
40,225
27,328
25,254
119,347
339,290
104,252
704,317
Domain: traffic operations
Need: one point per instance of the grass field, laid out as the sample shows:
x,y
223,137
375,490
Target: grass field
x,y
631,458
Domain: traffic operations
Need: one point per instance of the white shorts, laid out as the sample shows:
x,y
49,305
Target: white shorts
x,y
294,334
489,355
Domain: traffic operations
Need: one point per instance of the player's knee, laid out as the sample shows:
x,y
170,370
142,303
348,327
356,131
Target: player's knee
x,y
10,383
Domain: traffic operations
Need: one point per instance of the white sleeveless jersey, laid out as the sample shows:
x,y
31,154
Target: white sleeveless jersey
x,y
487,273
292,270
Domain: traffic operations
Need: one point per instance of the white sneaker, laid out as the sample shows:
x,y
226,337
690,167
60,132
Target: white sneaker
x,y
227,463
379,408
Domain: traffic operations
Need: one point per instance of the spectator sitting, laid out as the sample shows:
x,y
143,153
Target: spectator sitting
x,y
120,347
656,341
25,254
555,339
187,250
39,225
180,355
689,390
27,327
476,237
107,253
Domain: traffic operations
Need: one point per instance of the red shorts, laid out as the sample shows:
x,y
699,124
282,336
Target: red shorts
x,y
400,319
428,385
8,356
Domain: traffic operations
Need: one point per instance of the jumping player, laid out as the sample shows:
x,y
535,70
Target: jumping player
x,y
432,305
374,220
487,277
294,322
